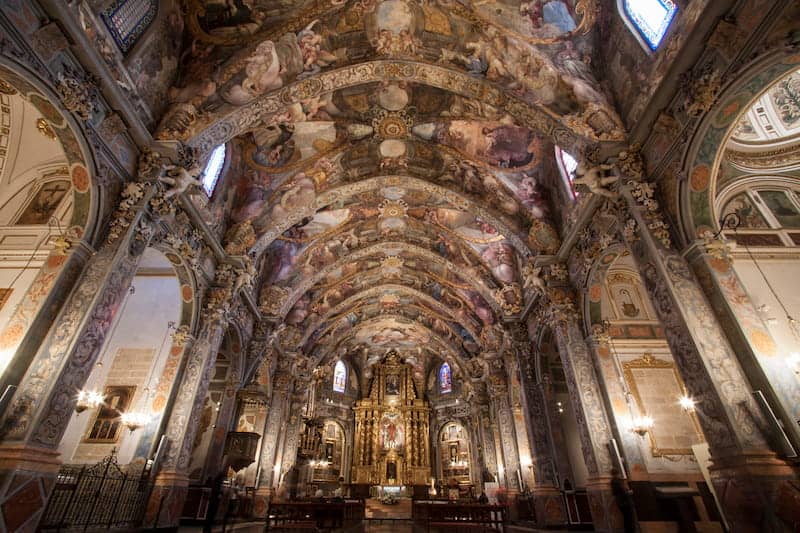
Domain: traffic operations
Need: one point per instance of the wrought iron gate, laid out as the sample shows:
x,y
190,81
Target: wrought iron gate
x,y
104,495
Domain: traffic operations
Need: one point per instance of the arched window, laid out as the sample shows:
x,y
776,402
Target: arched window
x,y
768,213
339,377
445,379
650,18
568,165
127,20
213,169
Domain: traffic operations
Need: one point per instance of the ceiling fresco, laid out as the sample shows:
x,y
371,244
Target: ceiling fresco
x,y
389,160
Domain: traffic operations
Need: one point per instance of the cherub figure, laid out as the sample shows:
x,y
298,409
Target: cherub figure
x,y
180,179
595,179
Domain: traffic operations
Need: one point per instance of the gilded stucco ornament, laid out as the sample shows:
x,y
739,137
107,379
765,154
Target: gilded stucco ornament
x,y
179,179
510,298
240,238
644,195
531,276
78,93
701,90
272,299
126,211
149,164
181,336
596,178
630,162
557,272
718,248
245,276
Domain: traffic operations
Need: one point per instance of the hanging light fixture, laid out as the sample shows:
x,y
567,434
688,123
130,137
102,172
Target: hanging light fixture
x,y
88,399
641,425
134,420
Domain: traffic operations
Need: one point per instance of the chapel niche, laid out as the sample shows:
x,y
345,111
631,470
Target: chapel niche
x,y
392,427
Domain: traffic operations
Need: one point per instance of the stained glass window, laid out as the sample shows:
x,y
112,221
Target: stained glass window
x,y
213,169
445,379
339,377
651,18
127,20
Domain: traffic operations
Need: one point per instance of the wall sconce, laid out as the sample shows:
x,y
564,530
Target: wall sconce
x,y
88,399
134,421
560,407
641,425
687,404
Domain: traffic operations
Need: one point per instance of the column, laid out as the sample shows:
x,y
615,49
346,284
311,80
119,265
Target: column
x,y
269,442
757,350
757,490
172,480
617,401
293,428
547,499
37,417
587,401
504,418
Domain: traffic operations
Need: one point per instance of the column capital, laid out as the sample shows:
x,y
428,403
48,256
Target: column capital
x,y
713,248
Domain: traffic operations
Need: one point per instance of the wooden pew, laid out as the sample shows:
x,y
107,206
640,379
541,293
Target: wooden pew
x,y
457,517
314,515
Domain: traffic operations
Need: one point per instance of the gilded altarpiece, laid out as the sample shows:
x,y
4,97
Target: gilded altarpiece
x,y
392,427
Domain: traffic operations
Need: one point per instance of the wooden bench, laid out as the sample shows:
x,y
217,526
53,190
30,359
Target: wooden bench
x,y
314,516
455,517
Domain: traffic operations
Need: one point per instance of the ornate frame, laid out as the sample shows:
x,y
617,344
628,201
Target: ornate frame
x,y
648,361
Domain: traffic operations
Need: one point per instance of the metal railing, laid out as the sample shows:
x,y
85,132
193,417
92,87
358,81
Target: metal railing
x,y
103,495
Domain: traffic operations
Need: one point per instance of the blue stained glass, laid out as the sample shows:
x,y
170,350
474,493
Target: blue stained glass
x,y
445,379
651,18
213,169
127,20
339,377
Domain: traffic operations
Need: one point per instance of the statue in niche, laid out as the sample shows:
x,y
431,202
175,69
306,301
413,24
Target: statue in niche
x,y
391,470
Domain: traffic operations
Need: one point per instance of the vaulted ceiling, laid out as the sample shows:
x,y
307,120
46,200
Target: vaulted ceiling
x,y
389,159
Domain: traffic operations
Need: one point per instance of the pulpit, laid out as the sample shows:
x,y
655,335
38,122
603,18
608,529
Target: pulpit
x,y
241,448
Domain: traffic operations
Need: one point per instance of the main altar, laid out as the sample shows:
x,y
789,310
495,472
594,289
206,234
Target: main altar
x,y
391,433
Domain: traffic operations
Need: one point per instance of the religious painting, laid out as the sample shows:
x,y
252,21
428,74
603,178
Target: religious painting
x,y
107,423
44,203
657,387
392,434
392,385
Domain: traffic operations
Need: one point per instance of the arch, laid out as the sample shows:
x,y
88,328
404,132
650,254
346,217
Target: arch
x,y
50,285
340,193
706,149
266,109
648,20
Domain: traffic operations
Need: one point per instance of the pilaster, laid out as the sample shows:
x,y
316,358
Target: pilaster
x,y
37,417
167,500
586,396
756,489
758,352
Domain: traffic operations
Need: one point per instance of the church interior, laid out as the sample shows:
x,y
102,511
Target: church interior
x,y
400,265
